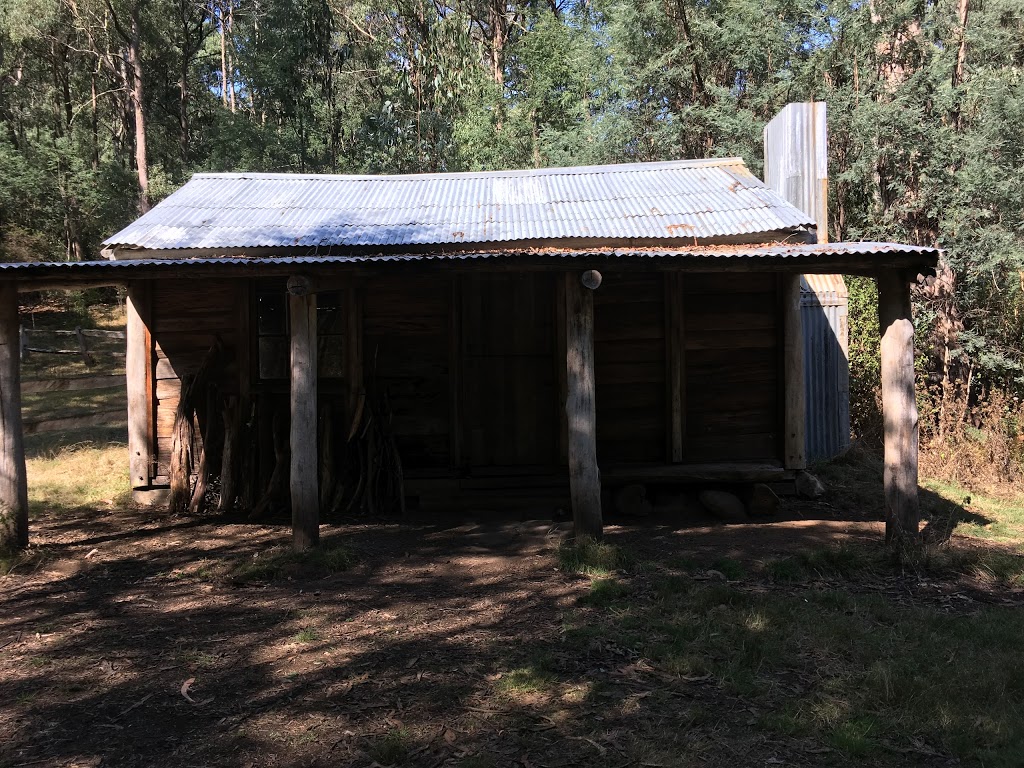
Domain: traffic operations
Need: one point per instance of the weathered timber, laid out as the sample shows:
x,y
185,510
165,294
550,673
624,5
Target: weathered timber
x,y
139,380
74,384
794,413
197,505
13,482
182,438
631,352
580,409
675,351
83,349
328,476
276,492
194,393
560,373
303,480
455,354
354,350
720,472
229,457
104,418
899,408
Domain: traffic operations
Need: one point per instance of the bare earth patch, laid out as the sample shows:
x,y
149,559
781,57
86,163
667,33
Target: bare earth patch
x,y
133,639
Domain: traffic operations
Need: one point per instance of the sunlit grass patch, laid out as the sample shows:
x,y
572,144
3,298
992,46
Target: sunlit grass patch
x,y
533,677
987,516
76,476
307,635
591,558
283,563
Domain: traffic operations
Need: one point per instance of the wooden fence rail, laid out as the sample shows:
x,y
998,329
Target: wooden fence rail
x,y
80,334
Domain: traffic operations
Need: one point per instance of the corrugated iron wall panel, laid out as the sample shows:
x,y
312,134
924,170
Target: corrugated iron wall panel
x,y
826,365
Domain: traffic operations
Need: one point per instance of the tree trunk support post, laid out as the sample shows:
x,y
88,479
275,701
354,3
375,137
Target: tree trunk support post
x,y
899,408
304,483
13,481
580,408
795,412
139,381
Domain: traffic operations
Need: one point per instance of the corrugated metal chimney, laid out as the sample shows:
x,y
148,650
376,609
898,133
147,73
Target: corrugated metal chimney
x,y
796,159
796,166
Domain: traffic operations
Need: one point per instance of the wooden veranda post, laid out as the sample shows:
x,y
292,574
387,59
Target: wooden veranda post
x,y
305,494
139,379
899,407
13,483
580,407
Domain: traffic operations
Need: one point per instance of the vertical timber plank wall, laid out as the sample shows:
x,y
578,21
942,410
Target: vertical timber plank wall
x,y
186,318
405,355
732,375
630,359
795,408
509,385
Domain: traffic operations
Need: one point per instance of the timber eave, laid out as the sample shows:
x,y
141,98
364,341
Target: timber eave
x,y
865,259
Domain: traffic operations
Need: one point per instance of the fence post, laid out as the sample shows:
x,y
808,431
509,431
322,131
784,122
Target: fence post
x,y
82,348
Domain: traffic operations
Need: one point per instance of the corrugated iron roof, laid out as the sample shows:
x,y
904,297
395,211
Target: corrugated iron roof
x,y
683,200
802,254
831,288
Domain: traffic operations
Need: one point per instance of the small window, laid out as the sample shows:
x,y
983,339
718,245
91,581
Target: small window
x,y
330,332
272,335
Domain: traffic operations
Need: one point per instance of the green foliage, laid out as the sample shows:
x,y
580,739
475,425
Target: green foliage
x,y
924,148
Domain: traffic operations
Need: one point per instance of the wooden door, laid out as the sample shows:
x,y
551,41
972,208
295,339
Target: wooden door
x,y
509,389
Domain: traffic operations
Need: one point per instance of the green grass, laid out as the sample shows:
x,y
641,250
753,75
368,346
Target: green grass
x,y
392,748
731,569
842,561
604,592
55,405
535,676
86,475
591,558
307,635
876,672
982,516
282,563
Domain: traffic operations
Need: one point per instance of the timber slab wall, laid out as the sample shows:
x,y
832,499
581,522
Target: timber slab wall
x,y
688,366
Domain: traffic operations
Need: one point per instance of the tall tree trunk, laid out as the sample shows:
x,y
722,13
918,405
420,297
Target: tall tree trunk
x,y
963,8
94,119
231,65
186,55
135,73
223,57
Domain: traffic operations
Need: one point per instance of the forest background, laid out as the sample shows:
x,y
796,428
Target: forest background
x,y
106,106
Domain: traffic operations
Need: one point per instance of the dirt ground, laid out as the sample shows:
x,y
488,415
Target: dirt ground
x,y
127,646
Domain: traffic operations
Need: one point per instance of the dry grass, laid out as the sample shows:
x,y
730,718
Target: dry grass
x,y
86,474
977,445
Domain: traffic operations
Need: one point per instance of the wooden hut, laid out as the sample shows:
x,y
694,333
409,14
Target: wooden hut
x,y
520,334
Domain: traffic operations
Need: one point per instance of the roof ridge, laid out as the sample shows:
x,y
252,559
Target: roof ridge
x,y
570,170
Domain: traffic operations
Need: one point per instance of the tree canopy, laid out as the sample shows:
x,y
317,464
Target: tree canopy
x,y
106,105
